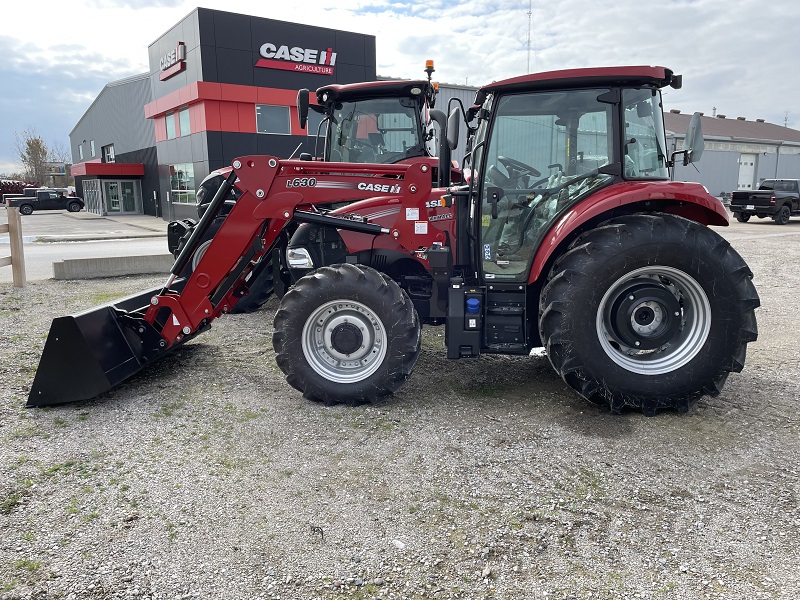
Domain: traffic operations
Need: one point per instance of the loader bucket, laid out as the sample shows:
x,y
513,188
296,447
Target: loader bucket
x,y
89,353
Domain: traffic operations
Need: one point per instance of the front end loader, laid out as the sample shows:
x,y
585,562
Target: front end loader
x,y
569,235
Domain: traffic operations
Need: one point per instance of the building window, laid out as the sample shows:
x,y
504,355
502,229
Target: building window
x,y
80,151
91,146
183,118
181,180
170,126
272,119
108,153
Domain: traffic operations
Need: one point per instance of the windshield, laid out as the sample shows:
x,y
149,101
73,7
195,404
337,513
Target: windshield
x,y
644,143
383,130
543,153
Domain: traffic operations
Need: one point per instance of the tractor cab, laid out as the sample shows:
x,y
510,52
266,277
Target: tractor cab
x,y
379,122
543,146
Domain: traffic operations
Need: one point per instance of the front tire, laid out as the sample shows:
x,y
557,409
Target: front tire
x,y
783,215
648,311
74,207
346,334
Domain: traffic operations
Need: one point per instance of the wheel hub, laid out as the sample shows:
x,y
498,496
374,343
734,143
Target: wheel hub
x,y
346,338
645,315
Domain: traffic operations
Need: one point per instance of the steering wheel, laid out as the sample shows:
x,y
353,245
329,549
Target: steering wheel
x,y
520,168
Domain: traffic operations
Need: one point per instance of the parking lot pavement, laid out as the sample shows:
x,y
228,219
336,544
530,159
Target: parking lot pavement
x,y
53,226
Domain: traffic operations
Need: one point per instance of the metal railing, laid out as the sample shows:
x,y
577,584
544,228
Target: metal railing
x,y
17,258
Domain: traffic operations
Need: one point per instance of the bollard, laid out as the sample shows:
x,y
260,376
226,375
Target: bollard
x,y
17,258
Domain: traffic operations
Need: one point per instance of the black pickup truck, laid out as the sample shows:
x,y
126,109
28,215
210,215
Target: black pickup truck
x,y
776,198
44,199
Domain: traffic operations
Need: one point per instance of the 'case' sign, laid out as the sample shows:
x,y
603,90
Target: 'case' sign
x,y
302,60
173,62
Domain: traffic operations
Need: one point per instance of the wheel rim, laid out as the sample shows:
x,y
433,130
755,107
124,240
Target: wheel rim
x,y
26,210
344,341
653,320
199,253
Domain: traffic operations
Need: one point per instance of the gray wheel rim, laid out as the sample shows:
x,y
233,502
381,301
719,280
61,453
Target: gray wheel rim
x,y
322,355
199,253
682,347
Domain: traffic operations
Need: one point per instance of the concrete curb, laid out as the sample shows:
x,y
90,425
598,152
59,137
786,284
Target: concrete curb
x,y
96,268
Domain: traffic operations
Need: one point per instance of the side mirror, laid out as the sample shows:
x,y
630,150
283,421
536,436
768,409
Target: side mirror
x,y
693,143
453,124
302,107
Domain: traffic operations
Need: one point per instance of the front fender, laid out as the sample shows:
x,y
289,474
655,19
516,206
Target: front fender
x,y
688,200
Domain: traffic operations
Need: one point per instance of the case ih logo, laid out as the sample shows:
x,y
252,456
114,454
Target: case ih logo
x,y
302,60
173,62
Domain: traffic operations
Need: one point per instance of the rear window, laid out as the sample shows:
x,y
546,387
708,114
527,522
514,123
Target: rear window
x,y
785,186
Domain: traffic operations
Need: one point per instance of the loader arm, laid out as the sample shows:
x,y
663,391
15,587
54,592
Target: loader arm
x,y
102,347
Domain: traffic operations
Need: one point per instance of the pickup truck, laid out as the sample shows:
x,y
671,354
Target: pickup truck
x,y
776,198
46,199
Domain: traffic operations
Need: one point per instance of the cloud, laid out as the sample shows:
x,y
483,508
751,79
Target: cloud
x,y
739,58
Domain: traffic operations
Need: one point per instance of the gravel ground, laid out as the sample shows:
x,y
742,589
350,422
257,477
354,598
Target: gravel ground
x,y
207,476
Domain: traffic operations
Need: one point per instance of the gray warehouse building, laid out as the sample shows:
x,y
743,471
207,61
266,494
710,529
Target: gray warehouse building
x,y
739,154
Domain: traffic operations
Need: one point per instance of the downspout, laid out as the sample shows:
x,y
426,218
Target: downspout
x,y
777,158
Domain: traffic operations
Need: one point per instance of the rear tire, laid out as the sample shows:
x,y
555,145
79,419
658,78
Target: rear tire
x,y
26,209
346,334
74,207
648,311
742,218
783,215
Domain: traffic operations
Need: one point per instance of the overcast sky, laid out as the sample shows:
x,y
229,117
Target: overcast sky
x,y
738,56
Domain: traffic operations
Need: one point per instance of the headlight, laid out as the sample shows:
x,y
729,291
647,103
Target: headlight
x,y
299,258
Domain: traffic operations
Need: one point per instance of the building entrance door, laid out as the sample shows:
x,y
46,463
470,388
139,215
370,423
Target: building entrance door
x,y
112,196
128,196
747,171
122,197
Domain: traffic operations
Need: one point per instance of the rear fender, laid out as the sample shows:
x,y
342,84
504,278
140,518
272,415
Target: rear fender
x,y
688,200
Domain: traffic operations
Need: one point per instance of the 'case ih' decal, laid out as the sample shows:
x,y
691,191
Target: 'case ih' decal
x,y
303,60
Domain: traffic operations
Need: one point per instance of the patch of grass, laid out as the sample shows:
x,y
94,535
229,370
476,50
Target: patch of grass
x,y
27,564
90,517
10,502
72,507
102,297
60,468
7,586
59,422
169,408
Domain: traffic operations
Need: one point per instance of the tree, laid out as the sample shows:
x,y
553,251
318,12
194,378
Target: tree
x,y
33,154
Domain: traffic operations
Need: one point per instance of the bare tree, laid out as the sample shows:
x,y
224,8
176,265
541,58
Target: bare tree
x,y
33,154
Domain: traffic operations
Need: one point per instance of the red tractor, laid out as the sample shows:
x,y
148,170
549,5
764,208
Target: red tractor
x,y
369,122
569,235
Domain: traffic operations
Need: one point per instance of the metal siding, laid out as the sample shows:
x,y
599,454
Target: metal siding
x,y
115,117
718,171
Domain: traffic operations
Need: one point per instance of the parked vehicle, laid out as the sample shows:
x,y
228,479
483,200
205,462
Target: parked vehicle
x,y
44,199
608,265
775,198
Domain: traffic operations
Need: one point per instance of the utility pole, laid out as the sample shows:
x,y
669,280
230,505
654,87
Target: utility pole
x,y
530,10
